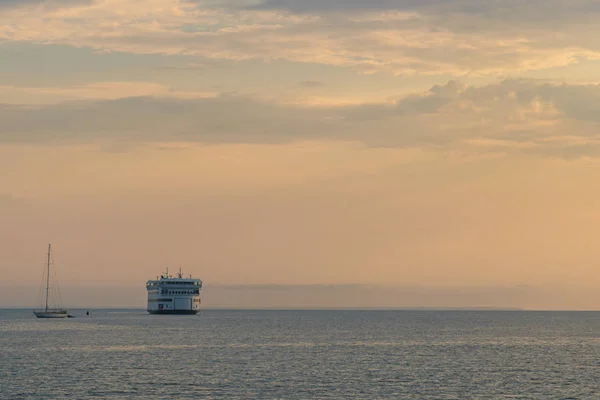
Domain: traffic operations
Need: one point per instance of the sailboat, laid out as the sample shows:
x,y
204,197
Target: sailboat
x,y
48,312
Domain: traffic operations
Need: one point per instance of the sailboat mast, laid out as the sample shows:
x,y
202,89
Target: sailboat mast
x,y
48,278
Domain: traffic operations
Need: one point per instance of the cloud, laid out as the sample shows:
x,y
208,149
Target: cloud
x,y
398,37
516,115
305,6
227,118
94,91
476,16
311,84
46,4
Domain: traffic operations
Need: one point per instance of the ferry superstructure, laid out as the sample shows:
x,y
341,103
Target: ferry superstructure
x,y
173,294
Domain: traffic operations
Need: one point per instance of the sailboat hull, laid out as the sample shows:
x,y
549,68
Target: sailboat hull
x,y
51,314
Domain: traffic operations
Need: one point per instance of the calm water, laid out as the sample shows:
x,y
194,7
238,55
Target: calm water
x,y
301,355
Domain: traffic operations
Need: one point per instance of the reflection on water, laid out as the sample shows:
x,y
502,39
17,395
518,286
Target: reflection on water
x,y
300,355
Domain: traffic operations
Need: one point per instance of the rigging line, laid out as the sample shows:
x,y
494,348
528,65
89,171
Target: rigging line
x,y
55,287
42,287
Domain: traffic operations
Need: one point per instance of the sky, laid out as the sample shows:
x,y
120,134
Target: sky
x,y
442,146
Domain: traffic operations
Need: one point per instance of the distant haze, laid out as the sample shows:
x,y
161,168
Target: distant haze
x,y
326,296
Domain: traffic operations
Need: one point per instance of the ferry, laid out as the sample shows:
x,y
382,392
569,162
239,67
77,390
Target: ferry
x,y
173,294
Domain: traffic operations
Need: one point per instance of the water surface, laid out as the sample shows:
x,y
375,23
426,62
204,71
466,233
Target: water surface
x,y
301,355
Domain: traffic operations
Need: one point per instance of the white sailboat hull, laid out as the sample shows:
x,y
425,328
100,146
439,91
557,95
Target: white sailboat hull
x,y
51,314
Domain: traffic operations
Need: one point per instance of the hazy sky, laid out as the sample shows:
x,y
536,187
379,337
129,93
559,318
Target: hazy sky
x,y
429,143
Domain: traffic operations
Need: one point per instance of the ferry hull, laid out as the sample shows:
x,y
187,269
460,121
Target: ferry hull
x,y
173,312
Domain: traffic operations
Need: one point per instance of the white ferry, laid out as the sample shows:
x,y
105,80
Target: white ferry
x,y
173,294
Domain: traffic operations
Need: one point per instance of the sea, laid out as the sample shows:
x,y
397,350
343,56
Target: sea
x,y
297,354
